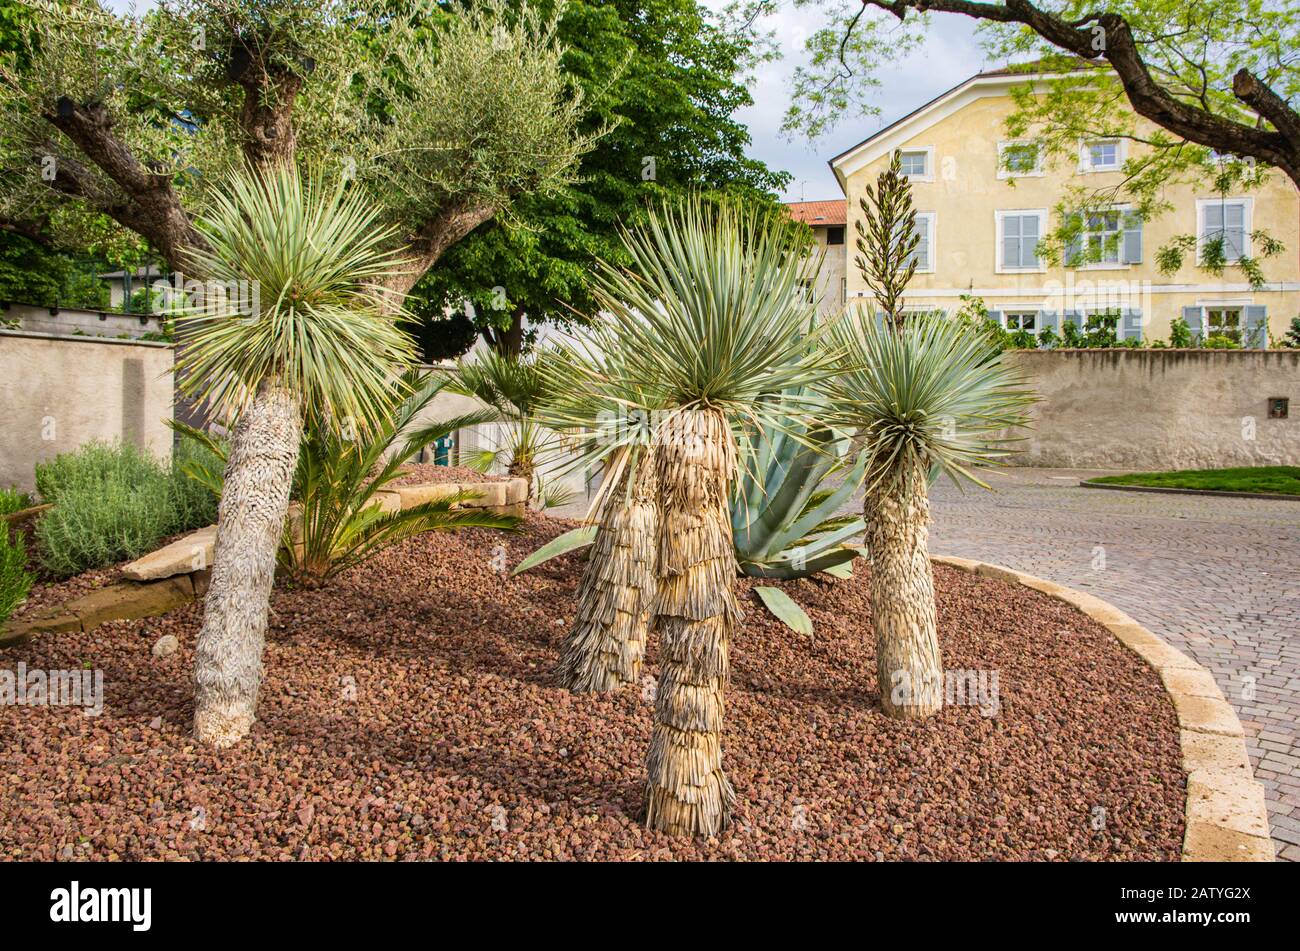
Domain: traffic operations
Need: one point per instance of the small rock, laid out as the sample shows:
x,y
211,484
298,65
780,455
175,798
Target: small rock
x,y
155,723
166,645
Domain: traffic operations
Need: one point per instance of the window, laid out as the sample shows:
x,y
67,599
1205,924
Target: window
x,y
1018,234
1022,320
1224,222
1101,155
918,164
1019,159
924,253
835,235
1100,237
1224,322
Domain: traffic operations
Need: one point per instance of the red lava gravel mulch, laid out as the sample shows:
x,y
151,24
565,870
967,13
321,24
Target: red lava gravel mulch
x,y
408,713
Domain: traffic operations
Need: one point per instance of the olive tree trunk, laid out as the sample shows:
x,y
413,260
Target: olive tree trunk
x,y
606,645
908,667
694,614
250,519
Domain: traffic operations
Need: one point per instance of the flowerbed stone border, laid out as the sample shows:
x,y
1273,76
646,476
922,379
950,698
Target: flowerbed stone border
x,y
178,573
1227,820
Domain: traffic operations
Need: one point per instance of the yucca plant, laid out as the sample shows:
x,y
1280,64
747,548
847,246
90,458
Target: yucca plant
x,y
710,320
304,329
932,394
339,522
605,414
515,388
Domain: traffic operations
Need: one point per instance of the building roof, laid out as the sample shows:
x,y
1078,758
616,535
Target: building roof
x,y
818,213
989,82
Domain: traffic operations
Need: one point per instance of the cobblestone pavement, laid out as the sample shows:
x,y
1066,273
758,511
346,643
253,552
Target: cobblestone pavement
x,y
1219,578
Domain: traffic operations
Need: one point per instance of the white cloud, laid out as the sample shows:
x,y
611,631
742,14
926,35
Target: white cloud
x,y
949,55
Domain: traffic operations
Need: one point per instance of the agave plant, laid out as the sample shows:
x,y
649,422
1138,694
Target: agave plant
x,y
318,339
783,515
931,395
339,521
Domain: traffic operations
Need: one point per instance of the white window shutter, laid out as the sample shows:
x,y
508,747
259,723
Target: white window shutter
x,y
1256,327
1130,325
1194,317
1132,251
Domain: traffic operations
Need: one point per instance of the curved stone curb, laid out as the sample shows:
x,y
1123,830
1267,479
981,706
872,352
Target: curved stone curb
x,y
1226,818
1171,490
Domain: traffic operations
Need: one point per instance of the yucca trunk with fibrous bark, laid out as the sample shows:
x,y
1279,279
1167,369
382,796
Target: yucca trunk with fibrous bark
x,y
695,613
908,665
250,520
605,647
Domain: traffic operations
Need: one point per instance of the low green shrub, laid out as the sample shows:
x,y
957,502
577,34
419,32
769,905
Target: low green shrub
x,y
15,581
114,502
13,500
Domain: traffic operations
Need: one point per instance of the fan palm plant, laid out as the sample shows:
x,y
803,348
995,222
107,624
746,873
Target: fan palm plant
x,y
515,388
710,320
931,395
316,338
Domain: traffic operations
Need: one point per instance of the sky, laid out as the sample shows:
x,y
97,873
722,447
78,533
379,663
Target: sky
x,y
949,55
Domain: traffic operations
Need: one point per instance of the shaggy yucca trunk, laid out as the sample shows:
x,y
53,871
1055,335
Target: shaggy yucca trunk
x,y
250,519
694,614
606,645
908,667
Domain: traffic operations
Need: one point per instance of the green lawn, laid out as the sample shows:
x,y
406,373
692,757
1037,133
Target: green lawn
x,y
1284,480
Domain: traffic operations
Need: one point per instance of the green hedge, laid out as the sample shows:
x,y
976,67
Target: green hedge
x,y
115,502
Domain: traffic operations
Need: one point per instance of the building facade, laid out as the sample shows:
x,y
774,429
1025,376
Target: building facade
x,y
830,258
981,226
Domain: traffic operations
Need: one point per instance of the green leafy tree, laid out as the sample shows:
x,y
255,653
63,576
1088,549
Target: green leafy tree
x,y
442,113
666,79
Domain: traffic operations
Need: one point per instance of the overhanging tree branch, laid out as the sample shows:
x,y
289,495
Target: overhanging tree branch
x,y
154,210
1279,148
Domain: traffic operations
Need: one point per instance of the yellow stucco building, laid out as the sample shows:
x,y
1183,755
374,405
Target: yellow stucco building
x,y
980,227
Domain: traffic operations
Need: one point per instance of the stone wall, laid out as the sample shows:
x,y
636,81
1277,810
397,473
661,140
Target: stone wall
x,y
58,392
61,321
1160,409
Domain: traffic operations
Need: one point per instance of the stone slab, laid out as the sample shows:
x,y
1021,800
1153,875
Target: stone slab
x,y
191,553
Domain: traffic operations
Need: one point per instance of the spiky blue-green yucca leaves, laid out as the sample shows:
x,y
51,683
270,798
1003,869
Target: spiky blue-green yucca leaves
x,y
711,313
299,260
932,391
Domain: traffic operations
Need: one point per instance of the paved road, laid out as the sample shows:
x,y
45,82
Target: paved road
x,y
1218,578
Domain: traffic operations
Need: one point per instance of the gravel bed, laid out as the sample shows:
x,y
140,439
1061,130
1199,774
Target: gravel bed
x,y
414,473
408,713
